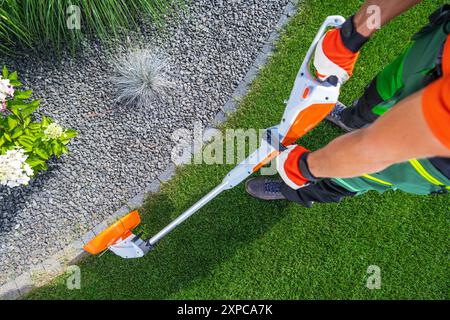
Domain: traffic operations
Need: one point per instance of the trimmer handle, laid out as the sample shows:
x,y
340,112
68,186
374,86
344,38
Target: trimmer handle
x,y
331,21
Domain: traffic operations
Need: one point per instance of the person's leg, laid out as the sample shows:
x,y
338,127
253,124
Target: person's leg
x,y
360,114
382,88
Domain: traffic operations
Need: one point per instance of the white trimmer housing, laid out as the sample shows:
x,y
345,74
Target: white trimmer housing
x,y
127,248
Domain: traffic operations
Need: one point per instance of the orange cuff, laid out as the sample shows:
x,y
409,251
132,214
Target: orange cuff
x,y
291,166
436,109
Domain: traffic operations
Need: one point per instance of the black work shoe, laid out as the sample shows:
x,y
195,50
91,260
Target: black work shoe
x,y
336,118
264,188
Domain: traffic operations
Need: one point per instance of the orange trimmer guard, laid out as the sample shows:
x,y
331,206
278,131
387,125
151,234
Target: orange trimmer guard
x,y
117,232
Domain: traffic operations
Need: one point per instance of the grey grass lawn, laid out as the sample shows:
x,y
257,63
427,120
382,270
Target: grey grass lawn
x,y
238,247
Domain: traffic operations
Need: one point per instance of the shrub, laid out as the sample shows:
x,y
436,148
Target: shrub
x,y
34,22
142,75
25,145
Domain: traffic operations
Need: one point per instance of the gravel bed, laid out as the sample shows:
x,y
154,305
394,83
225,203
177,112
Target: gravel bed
x,y
120,150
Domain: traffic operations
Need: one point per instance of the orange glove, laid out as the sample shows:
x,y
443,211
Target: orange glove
x,y
337,52
293,168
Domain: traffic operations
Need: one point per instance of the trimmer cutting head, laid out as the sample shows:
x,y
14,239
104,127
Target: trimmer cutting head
x,y
120,239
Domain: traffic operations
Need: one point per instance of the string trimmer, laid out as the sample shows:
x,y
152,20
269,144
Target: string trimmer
x,y
309,103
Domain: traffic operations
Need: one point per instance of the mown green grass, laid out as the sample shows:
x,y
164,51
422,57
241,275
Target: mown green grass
x,y
32,23
237,247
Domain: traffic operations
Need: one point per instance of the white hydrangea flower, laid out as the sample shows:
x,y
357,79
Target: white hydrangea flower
x,y
53,131
6,87
14,171
6,90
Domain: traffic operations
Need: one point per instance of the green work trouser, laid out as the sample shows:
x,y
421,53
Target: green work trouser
x,y
411,71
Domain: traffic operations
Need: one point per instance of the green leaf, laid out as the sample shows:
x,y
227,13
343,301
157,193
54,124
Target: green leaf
x,y
35,103
16,112
46,121
12,122
5,72
17,103
41,153
27,121
15,83
17,133
27,144
31,138
64,141
48,148
35,126
34,161
30,108
56,148
7,137
13,76
2,141
23,94
70,133
15,106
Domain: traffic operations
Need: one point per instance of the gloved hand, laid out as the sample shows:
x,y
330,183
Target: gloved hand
x,y
293,167
337,52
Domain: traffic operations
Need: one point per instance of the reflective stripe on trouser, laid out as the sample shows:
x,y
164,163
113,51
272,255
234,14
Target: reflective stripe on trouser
x,y
421,178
